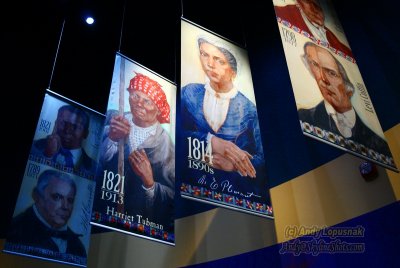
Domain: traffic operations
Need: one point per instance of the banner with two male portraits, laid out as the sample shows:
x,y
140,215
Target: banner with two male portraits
x,y
332,100
115,171
51,218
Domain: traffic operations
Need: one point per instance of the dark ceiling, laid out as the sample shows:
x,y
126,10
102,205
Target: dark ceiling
x,y
85,53
52,34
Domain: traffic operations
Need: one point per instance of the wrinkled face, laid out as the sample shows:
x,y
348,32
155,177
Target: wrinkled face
x,y
216,66
57,202
70,128
328,78
313,11
143,109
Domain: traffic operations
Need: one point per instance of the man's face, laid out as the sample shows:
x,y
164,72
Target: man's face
x,y
143,109
313,11
215,65
328,78
57,202
70,129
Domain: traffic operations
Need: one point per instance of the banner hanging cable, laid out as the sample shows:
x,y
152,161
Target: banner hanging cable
x,y
122,27
55,58
181,8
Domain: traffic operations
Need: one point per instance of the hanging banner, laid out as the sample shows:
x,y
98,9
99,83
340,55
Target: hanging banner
x,y
52,214
136,177
223,160
332,100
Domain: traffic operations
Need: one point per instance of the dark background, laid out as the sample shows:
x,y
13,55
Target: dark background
x,y
148,33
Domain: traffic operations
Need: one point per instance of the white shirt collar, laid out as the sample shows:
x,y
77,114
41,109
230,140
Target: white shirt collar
x,y
216,105
76,154
344,121
225,95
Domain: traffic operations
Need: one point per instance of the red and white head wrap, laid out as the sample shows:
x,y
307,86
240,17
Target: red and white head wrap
x,y
152,89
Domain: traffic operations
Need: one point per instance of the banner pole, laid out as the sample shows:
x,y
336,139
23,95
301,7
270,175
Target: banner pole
x,y
121,142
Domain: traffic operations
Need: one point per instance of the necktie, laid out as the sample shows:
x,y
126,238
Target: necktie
x,y
343,126
67,157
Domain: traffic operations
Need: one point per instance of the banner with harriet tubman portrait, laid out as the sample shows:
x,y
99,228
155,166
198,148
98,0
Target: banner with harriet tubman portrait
x,y
51,218
332,100
222,160
136,177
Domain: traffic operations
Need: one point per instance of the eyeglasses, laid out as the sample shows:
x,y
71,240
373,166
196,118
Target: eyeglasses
x,y
136,98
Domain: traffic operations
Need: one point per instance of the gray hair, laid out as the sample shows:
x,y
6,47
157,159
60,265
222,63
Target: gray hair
x,y
348,84
229,56
47,175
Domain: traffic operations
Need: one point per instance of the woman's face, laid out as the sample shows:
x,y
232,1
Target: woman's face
x,y
143,109
216,66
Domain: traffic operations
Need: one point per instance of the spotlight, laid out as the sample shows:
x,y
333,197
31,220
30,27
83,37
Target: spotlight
x,y
89,20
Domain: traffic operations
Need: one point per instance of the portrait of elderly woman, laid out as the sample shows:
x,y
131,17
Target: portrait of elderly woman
x,y
217,113
149,153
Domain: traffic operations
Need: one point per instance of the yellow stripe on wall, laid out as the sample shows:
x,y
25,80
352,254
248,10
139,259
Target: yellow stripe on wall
x,y
393,139
333,193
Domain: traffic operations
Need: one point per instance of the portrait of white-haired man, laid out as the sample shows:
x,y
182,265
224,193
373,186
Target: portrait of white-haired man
x,y
44,224
335,113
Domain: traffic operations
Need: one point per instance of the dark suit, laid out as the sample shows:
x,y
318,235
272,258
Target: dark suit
x,y
27,229
291,13
84,164
319,117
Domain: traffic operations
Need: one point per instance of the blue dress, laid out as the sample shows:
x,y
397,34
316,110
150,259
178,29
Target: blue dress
x,y
241,127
